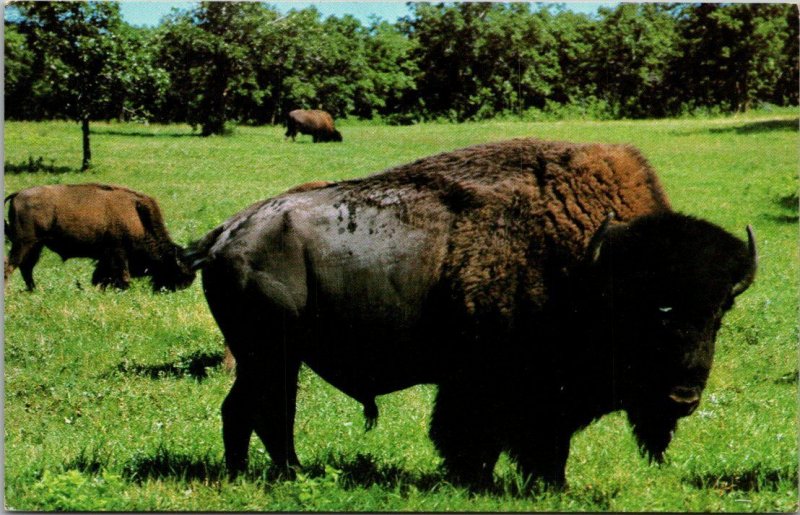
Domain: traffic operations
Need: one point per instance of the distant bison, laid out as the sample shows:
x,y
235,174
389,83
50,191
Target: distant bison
x,y
122,229
319,124
308,186
495,273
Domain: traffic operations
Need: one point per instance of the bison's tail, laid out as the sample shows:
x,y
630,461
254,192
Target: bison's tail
x,y
196,254
8,228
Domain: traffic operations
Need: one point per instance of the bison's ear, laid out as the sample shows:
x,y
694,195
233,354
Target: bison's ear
x,y
596,243
750,273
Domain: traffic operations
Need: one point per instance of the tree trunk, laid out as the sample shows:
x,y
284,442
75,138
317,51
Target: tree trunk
x,y
87,152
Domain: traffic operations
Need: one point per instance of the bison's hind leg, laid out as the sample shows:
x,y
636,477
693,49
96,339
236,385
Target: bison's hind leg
x,y
462,434
263,400
264,395
7,271
237,426
23,255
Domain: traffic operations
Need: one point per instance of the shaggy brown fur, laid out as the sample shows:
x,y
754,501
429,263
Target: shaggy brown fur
x,y
319,124
122,229
514,206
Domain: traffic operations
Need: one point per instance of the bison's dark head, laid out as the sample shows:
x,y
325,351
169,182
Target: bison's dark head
x,y
666,281
171,271
335,136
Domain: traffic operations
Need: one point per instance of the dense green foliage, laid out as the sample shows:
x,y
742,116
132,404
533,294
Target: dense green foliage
x,y
244,62
78,60
112,398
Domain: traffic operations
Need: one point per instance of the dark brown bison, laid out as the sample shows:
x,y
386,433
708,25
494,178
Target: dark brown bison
x,y
493,272
122,229
319,124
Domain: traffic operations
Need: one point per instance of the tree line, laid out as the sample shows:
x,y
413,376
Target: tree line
x,y
221,62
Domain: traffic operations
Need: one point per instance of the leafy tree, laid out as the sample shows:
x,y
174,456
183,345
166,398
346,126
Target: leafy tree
x,y
574,39
79,44
142,82
290,49
209,53
525,66
476,60
440,47
730,53
389,73
19,75
787,87
634,46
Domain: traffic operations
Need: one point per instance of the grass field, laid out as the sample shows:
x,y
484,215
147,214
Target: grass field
x,y
112,399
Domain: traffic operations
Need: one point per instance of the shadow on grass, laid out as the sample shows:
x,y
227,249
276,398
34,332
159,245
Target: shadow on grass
x,y
364,471
164,463
762,126
361,471
90,462
788,378
790,204
195,365
36,166
754,480
142,134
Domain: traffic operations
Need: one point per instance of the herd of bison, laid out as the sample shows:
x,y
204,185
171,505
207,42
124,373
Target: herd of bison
x,y
540,285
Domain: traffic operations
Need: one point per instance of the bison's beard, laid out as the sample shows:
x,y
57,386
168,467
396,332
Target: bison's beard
x,y
653,432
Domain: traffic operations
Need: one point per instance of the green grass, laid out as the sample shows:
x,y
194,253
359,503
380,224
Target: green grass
x,y
109,404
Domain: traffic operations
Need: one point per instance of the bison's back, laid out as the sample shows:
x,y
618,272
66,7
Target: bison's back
x,y
76,220
569,189
518,207
616,174
312,119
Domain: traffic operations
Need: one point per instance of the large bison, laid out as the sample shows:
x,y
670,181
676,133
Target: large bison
x,y
495,273
121,229
319,124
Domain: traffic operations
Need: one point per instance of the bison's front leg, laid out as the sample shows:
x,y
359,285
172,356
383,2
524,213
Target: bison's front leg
x,y
112,270
542,456
461,431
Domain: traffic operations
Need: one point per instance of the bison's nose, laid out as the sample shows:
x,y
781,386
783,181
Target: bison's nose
x,y
687,398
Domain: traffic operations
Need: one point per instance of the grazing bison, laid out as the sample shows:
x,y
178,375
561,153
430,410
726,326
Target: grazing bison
x,y
308,186
319,124
122,229
495,273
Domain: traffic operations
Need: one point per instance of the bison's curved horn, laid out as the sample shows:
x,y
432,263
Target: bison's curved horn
x,y
593,251
747,280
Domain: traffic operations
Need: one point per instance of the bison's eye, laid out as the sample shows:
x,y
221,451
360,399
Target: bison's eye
x,y
665,315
